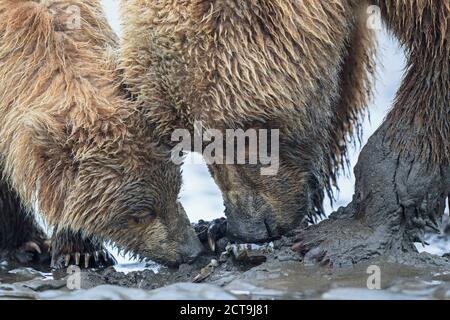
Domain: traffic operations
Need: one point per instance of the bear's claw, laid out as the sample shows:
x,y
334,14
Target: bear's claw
x,y
69,248
97,259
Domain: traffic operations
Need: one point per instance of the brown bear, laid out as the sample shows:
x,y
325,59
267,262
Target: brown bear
x,y
304,67
75,147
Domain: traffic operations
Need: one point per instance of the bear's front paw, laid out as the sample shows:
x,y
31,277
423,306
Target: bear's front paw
x,y
69,248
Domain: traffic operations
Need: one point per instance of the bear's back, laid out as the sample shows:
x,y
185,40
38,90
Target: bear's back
x,y
223,62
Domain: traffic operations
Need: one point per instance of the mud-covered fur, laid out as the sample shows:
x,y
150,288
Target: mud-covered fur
x,y
72,144
304,67
74,248
403,173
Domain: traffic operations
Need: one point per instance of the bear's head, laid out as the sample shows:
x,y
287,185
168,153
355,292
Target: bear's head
x,y
126,191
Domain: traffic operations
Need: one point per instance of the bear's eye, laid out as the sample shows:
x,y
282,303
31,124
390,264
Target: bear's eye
x,y
144,217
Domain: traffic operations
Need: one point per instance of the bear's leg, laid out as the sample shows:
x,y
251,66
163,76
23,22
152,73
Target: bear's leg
x,y
397,199
73,248
403,174
22,240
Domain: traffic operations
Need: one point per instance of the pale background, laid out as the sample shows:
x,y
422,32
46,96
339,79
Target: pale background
x,y
201,197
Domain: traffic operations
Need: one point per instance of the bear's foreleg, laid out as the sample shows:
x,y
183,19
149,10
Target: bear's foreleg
x,y
22,240
73,248
397,199
403,174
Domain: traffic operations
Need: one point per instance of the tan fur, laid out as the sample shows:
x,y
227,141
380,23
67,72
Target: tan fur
x,y
72,143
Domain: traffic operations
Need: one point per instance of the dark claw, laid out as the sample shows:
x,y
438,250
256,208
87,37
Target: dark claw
x,y
77,258
31,252
433,226
32,246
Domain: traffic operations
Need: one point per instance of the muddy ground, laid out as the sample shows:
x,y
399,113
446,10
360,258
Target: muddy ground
x,y
270,271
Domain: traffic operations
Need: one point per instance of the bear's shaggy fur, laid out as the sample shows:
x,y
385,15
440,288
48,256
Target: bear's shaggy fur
x,y
303,66
72,144
422,105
